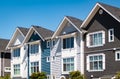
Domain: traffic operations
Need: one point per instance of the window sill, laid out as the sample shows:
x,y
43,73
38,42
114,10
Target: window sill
x,y
95,70
68,49
65,72
95,46
117,60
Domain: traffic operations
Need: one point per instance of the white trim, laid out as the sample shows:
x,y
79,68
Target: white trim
x,y
67,72
59,28
109,35
88,62
30,32
48,59
109,12
73,25
48,44
88,39
90,16
116,53
13,37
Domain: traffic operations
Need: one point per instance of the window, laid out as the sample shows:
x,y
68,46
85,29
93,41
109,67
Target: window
x,y
68,43
48,43
16,52
96,39
34,67
68,64
111,35
53,42
48,59
117,56
16,69
7,69
96,62
34,48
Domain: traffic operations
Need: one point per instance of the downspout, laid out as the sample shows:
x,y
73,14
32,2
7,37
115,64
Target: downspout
x,y
28,72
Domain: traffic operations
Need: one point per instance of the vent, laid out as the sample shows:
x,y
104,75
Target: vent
x,y
100,11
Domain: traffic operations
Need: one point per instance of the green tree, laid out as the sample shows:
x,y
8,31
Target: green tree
x,y
117,76
38,75
76,75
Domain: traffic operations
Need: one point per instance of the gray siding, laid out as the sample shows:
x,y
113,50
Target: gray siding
x,y
104,22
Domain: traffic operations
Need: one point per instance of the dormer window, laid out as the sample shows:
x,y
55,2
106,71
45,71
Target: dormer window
x,y
96,39
68,42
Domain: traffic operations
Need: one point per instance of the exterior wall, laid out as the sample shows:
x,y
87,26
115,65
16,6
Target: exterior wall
x,y
111,65
60,53
45,66
103,22
19,39
56,64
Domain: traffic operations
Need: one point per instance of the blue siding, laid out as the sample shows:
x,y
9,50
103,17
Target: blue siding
x,y
45,53
34,37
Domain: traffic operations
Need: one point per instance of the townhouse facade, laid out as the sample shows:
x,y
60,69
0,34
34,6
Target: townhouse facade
x,y
102,42
67,53
4,58
91,46
30,45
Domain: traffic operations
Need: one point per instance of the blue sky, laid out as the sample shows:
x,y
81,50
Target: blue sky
x,y
45,13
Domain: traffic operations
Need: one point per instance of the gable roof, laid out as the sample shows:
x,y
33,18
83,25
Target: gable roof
x,y
42,32
3,44
45,33
23,31
74,21
111,10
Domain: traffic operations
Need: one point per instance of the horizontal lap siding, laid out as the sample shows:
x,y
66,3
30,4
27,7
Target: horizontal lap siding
x,y
56,67
45,66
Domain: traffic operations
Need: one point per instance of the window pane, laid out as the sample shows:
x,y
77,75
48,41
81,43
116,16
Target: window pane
x,y
64,43
72,42
118,55
68,64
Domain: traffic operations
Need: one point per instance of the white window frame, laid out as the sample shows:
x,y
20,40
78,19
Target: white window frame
x,y
31,53
53,58
88,62
109,35
15,68
116,53
48,58
53,41
88,39
35,66
67,72
17,52
48,43
7,69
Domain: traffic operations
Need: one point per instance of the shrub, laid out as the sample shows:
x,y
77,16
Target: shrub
x,y
117,76
38,75
76,75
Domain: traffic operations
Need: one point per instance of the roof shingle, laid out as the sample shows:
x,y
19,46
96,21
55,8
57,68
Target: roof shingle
x,y
45,33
